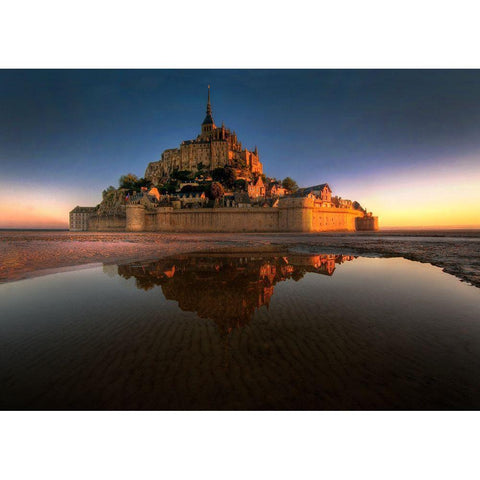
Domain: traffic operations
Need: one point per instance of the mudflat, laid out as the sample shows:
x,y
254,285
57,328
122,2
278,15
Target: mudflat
x,y
260,329
24,254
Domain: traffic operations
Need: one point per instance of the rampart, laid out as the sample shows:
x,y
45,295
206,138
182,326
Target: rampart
x,y
292,215
106,223
368,224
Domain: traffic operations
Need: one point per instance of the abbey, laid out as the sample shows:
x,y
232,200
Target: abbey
x,y
214,147
213,184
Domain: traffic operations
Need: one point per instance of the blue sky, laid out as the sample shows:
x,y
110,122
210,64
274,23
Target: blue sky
x,y
65,135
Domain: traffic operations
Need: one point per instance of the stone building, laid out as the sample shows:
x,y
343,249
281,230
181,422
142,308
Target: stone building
x,y
256,188
322,192
275,189
79,218
192,199
214,147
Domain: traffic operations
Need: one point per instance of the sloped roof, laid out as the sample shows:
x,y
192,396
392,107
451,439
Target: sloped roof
x,y
191,194
79,209
315,188
208,120
259,181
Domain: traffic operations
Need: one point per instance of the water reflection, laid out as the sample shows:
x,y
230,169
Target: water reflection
x,y
226,288
375,333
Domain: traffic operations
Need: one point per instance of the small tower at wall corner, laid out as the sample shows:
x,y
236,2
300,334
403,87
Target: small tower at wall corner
x,y
208,124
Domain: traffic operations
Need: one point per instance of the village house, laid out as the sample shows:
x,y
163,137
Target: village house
x,y
192,199
256,188
275,189
322,192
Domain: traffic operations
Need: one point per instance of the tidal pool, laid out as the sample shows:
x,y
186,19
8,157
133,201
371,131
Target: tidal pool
x,y
246,330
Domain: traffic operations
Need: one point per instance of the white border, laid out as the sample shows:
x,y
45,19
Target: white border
x,y
250,34
107,34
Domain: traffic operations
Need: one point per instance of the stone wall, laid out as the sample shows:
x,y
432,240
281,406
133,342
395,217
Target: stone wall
x,y
292,215
135,221
295,214
367,224
203,220
305,215
107,223
341,220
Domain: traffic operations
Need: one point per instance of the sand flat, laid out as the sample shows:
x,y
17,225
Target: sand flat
x,y
241,331
24,254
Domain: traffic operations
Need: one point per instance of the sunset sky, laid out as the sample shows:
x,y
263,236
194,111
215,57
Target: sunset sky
x,y
404,143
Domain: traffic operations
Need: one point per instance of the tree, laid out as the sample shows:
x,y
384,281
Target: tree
x,y
131,182
192,188
108,192
289,184
225,175
182,175
357,206
215,191
218,174
143,182
128,181
168,188
112,201
240,185
230,177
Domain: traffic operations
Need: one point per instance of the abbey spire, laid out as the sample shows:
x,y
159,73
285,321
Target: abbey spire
x,y
215,147
208,124
209,106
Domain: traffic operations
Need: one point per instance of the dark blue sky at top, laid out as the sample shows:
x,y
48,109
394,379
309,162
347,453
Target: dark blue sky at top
x,y
84,128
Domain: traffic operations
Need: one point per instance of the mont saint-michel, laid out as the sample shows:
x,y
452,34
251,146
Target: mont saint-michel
x,y
213,183
201,282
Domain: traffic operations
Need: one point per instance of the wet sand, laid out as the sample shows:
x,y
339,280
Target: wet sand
x,y
25,254
378,334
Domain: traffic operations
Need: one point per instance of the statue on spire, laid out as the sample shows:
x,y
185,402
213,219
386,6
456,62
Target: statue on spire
x,y
209,106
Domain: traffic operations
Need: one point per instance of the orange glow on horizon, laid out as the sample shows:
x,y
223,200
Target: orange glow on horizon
x,y
22,216
446,197
35,207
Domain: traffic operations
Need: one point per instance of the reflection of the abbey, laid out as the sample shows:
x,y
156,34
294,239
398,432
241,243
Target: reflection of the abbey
x,y
226,288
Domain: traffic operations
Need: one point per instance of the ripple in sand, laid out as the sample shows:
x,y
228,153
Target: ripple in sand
x,y
242,330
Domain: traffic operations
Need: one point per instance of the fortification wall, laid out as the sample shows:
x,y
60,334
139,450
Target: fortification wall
x,y
204,220
341,220
106,223
293,215
304,215
135,221
369,224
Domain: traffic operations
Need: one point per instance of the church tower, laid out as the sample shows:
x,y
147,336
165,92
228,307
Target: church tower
x,y
208,124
